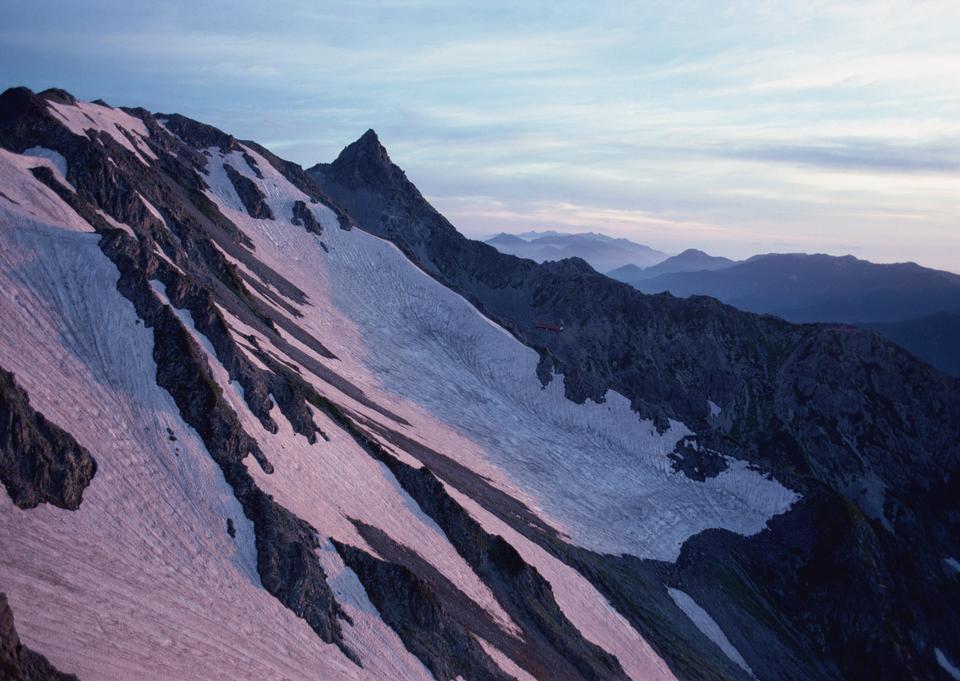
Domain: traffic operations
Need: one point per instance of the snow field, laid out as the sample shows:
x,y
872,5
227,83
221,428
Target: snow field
x,y
592,469
143,580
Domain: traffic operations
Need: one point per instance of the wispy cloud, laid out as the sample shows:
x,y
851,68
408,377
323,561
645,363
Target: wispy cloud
x,y
728,124
856,155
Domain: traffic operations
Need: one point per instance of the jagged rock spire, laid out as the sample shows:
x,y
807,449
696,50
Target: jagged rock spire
x,y
366,163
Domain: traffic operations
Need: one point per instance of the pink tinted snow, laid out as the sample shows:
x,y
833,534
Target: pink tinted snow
x,y
83,116
143,580
24,197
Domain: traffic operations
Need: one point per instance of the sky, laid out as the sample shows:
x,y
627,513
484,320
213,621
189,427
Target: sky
x,y
732,126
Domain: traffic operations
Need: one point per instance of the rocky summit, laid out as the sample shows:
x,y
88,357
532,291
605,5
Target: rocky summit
x,y
261,422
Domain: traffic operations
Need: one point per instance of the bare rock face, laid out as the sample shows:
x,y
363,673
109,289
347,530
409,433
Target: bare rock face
x,y
302,215
411,607
39,461
253,199
17,662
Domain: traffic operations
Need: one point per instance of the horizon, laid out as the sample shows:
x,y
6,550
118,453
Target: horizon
x,y
736,130
532,234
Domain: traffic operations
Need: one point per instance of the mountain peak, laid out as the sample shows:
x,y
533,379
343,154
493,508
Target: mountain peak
x,y
505,238
370,138
365,162
58,95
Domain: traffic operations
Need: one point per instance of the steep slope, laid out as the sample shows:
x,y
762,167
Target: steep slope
x,y
690,260
863,431
602,252
308,451
819,288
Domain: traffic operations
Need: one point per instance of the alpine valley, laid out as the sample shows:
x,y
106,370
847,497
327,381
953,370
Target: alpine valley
x,y
261,422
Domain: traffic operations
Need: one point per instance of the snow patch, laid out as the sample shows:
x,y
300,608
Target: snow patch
x,y
160,290
117,225
714,408
946,665
708,627
952,563
578,599
157,251
506,665
869,491
55,157
83,116
153,209
24,198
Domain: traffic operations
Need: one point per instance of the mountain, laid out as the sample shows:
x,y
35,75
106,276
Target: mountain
x,y
771,388
602,252
811,288
820,288
261,422
691,260
935,338
507,241
527,236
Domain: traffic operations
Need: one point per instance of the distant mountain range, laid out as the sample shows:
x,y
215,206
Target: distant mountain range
x,y
691,260
819,288
604,253
915,306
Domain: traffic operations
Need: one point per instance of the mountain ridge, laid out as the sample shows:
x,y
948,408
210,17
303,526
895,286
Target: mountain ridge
x,y
601,251
690,260
903,301
787,284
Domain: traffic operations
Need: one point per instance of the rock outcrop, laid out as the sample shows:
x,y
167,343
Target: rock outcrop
x,y
249,193
39,461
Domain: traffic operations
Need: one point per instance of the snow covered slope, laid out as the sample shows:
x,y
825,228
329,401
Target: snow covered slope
x,y
149,581
470,390
142,581
315,460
